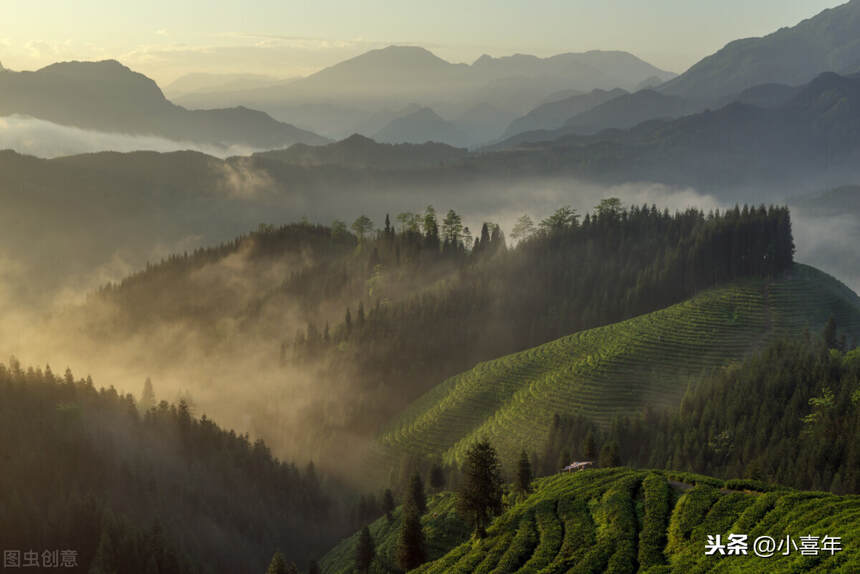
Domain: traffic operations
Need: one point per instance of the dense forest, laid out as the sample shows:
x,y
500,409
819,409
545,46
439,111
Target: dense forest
x,y
384,314
134,489
789,414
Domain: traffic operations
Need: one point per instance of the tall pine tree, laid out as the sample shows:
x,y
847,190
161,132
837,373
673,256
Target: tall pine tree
x,y
416,496
480,496
411,552
524,474
365,552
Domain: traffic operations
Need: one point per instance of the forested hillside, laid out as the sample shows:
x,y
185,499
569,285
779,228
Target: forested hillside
x,y
620,520
788,414
616,370
132,487
377,317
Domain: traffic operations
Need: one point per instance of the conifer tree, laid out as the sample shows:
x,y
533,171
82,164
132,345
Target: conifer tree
x,y
362,226
278,565
388,504
480,496
365,551
416,495
452,227
147,396
524,474
485,234
589,446
609,455
411,552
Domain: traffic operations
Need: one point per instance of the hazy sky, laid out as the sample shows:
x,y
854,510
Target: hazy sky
x,y
167,38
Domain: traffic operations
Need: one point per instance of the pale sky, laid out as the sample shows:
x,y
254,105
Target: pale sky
x,y
167,38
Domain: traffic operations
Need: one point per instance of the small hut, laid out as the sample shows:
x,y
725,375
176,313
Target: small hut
x,y
577,466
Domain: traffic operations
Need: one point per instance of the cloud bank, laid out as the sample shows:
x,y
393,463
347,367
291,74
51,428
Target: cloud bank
x,y
41,138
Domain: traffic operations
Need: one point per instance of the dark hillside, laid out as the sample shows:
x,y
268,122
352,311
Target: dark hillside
x,y
134,488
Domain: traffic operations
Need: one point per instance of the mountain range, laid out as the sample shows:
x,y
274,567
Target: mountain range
x,y
764,72
827,42
399,75
810,140
459,104
521,84
108,97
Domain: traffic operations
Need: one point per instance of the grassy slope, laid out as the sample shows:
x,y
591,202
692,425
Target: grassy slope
x,y
615,369
620,520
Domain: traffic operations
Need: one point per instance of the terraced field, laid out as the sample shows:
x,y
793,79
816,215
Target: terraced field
x,y
625,521
615,369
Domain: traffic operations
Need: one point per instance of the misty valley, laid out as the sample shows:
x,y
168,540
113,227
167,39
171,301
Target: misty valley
x,y
278,304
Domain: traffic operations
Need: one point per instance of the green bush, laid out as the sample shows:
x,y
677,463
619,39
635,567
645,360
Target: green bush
x,y
550,537
652,538
521,548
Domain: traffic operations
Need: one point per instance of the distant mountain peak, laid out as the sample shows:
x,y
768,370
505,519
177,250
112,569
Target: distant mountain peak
x,y
76,65
108,75
393,66
409,54
405,49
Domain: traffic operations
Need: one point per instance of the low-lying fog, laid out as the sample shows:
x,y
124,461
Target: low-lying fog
x,y
238,383
41,138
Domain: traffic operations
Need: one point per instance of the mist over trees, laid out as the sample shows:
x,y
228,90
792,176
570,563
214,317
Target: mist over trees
x,y
566,276
156,491
379,317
